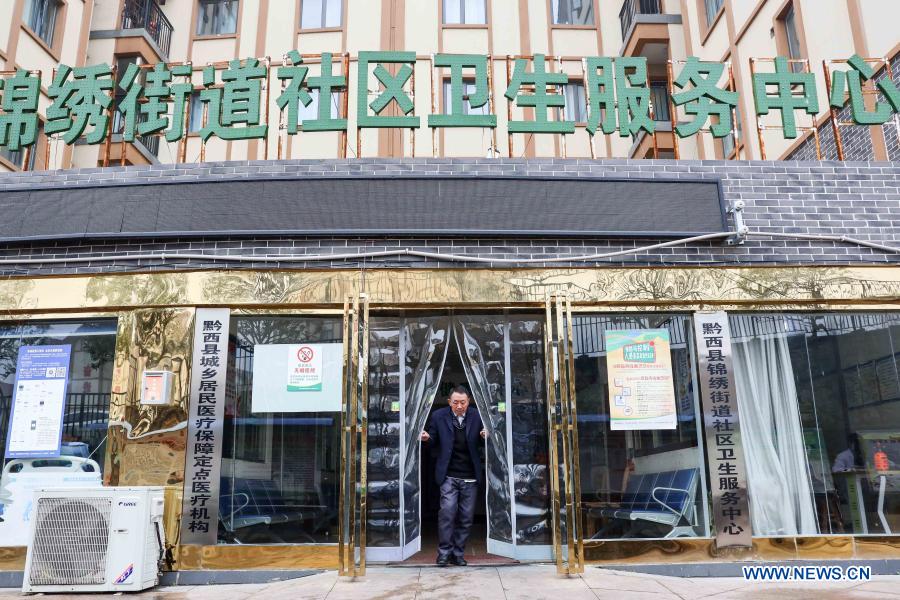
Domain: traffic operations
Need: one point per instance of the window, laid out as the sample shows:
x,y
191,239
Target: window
x,y
659,97
792,40
467,107
618,466
465,12
572,12
712,10
576,104
195,118
17,157
86,409
280,468
217,17
319,14
40,16
728,141
311,112
819,401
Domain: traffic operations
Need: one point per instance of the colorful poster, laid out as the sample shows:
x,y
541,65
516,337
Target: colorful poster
x,y
641,391
304,368
39,400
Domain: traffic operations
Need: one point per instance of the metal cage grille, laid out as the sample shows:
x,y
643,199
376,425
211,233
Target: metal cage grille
x,y
70,541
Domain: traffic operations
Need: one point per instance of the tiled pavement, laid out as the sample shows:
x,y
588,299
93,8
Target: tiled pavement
x,y
534,582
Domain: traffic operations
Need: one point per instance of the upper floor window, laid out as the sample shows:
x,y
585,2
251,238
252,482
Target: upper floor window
x,y
576,104
40,16
572,12
195,116
465,12
468,109
217,17
17,157
319,14
792,40
659,98
712,10
311,111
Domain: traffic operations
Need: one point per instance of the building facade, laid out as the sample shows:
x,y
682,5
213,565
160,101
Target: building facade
x,y
677,361
124,265
665,32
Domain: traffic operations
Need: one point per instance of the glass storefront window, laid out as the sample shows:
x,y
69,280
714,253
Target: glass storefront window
x,y
86,412
280,470
819,396
643,483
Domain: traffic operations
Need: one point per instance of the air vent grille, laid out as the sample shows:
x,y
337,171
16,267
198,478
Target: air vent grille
x,y
70,542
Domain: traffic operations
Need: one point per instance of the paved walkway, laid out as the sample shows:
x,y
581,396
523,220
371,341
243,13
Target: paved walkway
x,y
526,582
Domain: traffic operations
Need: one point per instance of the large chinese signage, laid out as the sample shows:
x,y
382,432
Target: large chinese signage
x,y
235,97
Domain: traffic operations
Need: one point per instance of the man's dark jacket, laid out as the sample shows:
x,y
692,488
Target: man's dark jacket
x,y
441,429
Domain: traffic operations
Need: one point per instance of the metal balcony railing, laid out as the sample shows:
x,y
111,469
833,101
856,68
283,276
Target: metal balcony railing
x,y
630,8
147,15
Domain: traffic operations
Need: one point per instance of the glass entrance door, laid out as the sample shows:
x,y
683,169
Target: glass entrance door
x,y
501,357
354,439
563,426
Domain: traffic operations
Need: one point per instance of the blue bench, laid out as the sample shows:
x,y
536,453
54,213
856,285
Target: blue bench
x,y
253,502
666,498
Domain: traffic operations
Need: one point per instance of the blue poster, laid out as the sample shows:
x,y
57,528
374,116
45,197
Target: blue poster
x,y
39,401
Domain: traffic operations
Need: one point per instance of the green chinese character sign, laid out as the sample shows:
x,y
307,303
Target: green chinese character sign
x,y
793,91
393,91
703,98
851,82
155,100
19,119
541,99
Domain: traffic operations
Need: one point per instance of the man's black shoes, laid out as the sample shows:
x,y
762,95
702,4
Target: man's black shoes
x,y
443,561
459,561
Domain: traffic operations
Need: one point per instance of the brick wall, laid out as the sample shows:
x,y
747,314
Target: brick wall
x,y
856,139
861,200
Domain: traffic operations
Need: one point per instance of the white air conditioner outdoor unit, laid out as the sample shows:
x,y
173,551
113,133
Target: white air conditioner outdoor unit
x,y
95,540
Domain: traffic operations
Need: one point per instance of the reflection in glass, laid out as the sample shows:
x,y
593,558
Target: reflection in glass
x,y
280,471
827,431
531,478
643,483
86,413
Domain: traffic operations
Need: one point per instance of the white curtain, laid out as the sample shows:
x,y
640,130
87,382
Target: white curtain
x,y
781,496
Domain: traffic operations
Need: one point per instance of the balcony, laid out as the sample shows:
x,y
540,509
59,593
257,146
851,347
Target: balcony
x,y
631,8
147,15
643,144
644,21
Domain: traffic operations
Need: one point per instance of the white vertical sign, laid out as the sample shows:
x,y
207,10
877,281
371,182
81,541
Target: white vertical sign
x,y
200,508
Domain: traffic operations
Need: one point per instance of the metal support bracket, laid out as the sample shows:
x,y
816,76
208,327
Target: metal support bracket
x,y
740,229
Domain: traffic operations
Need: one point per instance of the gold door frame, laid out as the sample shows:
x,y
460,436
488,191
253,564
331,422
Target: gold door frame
x,y
562,425
354,438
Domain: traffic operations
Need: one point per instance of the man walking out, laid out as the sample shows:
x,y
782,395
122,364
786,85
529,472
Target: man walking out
x,y
458,470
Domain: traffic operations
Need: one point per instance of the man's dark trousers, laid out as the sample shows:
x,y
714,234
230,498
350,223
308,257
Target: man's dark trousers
x,y
456,515
458,496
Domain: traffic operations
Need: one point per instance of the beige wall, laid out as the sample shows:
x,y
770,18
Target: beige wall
x,y
271,27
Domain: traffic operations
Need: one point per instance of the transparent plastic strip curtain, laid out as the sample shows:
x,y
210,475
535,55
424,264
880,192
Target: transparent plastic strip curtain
x,y
385,511
482,347
426,341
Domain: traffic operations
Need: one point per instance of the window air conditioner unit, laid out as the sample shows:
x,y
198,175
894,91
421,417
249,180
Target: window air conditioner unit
x,y
95,540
